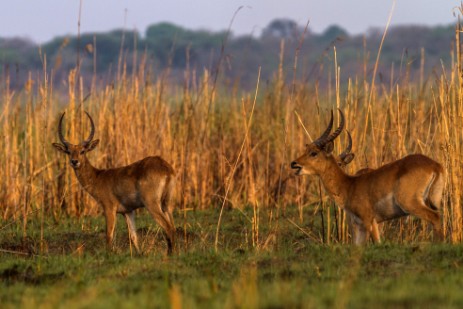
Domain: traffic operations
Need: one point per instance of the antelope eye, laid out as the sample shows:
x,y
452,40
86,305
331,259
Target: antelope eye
x,y
82,151
313,154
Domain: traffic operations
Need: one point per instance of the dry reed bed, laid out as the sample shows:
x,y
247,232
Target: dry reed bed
x,y
202,129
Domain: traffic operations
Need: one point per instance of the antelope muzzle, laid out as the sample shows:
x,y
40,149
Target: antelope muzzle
x,y
74,163
297,167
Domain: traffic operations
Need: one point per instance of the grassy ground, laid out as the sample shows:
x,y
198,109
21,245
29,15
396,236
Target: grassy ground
x,y
70,267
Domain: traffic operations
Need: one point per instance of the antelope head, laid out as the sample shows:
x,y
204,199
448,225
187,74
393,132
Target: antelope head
x,y
77,152
346,156
318,153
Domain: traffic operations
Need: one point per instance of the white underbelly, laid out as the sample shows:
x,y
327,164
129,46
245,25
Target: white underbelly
x,y
387,208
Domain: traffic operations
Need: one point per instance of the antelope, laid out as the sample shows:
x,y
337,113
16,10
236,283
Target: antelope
x,y
146,183
411,185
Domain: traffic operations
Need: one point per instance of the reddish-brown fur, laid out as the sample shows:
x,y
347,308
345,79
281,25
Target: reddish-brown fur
x,y
411,185
343,160
146,183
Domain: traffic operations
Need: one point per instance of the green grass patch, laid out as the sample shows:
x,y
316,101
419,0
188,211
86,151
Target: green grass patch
x,y
71,268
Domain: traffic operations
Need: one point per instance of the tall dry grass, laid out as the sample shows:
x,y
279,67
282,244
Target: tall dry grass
x,y
222,156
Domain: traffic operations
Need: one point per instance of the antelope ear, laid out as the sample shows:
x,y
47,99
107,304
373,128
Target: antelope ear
x,y
349,157
328,148
61,147
92,145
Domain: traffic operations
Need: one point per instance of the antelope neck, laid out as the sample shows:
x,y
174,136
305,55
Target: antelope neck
x,y
336,182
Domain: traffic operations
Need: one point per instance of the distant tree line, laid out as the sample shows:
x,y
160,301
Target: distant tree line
x,y
408,51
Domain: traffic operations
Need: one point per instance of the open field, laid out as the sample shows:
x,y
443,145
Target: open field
x,y
73,270
249,233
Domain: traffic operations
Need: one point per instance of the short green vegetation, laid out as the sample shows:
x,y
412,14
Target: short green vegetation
x,y
71,268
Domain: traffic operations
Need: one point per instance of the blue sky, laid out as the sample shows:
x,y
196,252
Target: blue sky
x,y
41,20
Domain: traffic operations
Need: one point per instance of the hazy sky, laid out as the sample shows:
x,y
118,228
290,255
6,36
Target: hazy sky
x,y
41,20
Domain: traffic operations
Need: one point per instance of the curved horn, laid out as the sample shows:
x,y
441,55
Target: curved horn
x,y
60,131
338,130
92,132
348,148
319,142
